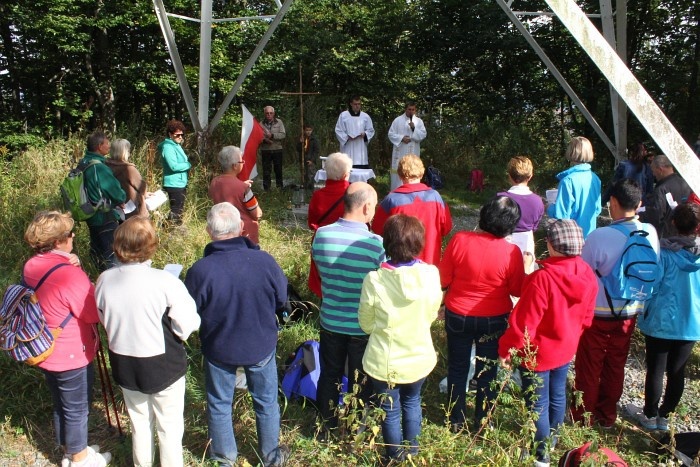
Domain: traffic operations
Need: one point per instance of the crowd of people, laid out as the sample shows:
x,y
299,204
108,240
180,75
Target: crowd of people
x,y
383,278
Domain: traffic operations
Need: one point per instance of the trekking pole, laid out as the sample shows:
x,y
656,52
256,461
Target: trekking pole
x,y
107,385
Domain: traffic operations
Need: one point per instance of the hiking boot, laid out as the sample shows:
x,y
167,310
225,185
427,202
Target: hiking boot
x,y
661,423
93,459
637,415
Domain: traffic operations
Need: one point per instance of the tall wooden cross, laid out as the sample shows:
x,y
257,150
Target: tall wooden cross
x,y
301,95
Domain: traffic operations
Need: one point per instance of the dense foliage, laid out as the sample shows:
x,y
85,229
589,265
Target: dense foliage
x,y
71,65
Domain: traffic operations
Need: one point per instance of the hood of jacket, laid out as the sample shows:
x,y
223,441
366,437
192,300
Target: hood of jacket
x,y
570,274
407,282
585,167
230,244
688,252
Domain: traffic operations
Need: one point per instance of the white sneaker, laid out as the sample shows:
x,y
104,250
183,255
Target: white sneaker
x,y
94,459
65,462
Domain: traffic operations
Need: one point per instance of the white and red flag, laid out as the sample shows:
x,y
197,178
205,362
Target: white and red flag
x,y
252,135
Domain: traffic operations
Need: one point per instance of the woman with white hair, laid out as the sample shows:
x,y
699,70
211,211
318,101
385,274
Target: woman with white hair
x,y
326,205
128,175
228,188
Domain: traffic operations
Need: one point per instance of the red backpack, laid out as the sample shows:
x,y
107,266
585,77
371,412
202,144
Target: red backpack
x,y
588,453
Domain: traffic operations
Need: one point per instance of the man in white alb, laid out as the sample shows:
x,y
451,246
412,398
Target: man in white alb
x,y
354,130
405,134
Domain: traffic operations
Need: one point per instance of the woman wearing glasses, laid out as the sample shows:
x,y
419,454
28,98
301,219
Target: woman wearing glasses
x,y
227,187
67,300
175,168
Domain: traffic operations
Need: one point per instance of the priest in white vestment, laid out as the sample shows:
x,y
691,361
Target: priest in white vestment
x,y
405,134
354,131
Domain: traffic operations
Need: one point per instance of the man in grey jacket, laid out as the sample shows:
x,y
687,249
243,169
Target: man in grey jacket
x,y
271,148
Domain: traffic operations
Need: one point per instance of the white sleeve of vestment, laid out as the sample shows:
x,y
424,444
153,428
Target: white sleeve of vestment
x,y
183,310
419,132
340,131
396,133
369,128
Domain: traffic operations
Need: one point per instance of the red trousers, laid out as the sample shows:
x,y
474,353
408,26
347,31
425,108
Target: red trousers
x,y
600,368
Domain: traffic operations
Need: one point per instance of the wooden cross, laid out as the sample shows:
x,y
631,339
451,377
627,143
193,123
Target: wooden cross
x,y
301,95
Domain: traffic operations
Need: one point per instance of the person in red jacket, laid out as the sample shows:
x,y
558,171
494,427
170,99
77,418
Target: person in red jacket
x,y
326,205
66,294
555,307
414,198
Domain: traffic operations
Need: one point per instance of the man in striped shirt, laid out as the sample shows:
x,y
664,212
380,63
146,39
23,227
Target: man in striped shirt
x,y
344,253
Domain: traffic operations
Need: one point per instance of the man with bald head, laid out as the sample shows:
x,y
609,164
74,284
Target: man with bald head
x,y
271,147
344,253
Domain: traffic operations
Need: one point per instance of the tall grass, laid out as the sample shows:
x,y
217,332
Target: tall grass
x,y
29,182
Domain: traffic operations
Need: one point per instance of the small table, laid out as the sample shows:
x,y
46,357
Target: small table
x,y
356,175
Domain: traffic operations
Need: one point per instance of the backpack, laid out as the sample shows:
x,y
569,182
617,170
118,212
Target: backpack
x,y
75,197
24,334
301,377
588,453
433,178
635,273
687,446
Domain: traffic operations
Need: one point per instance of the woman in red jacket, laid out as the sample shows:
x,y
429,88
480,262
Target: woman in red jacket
x,y
66,293
481,270
326,205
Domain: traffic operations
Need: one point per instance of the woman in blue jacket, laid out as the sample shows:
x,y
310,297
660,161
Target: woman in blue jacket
x,y
175,168
578,197
671,323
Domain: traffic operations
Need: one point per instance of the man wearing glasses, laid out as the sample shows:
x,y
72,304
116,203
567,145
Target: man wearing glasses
x,y
175,168
271,148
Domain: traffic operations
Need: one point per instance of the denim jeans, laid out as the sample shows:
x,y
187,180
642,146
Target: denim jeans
x,y
101,244
403,418
545,393
462,332
335,349
262,385
71,393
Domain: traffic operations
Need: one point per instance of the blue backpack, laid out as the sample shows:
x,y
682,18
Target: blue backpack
x,y
635,274
301,377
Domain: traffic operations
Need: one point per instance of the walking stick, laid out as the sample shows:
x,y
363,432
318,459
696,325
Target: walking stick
x,y
106,383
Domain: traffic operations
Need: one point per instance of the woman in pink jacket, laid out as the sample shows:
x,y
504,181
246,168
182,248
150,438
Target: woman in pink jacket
x,y
66,294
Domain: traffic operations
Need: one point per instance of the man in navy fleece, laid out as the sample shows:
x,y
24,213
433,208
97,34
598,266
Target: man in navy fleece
x,y
237,288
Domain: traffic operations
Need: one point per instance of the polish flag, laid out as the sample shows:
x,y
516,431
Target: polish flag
x,y
252,135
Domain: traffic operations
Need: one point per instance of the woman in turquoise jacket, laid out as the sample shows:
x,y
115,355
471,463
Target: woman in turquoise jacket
x,y
175,168
671,323
578,197
397,306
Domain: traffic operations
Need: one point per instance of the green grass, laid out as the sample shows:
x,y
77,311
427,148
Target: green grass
x,y
30,181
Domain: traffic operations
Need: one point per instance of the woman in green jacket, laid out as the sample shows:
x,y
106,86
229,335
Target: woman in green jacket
x,y
175,168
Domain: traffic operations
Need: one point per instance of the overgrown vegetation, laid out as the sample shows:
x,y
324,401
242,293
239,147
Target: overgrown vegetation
x,y
29,183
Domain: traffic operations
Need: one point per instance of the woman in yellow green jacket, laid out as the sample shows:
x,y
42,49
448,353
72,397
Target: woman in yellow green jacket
x,y
399,302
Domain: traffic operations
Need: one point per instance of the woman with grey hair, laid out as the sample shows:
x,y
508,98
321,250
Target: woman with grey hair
x,y
326,205
129,176
227,187
578,196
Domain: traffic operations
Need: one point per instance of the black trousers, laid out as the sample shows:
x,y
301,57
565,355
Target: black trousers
x,y
670,357
270,159
177,203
